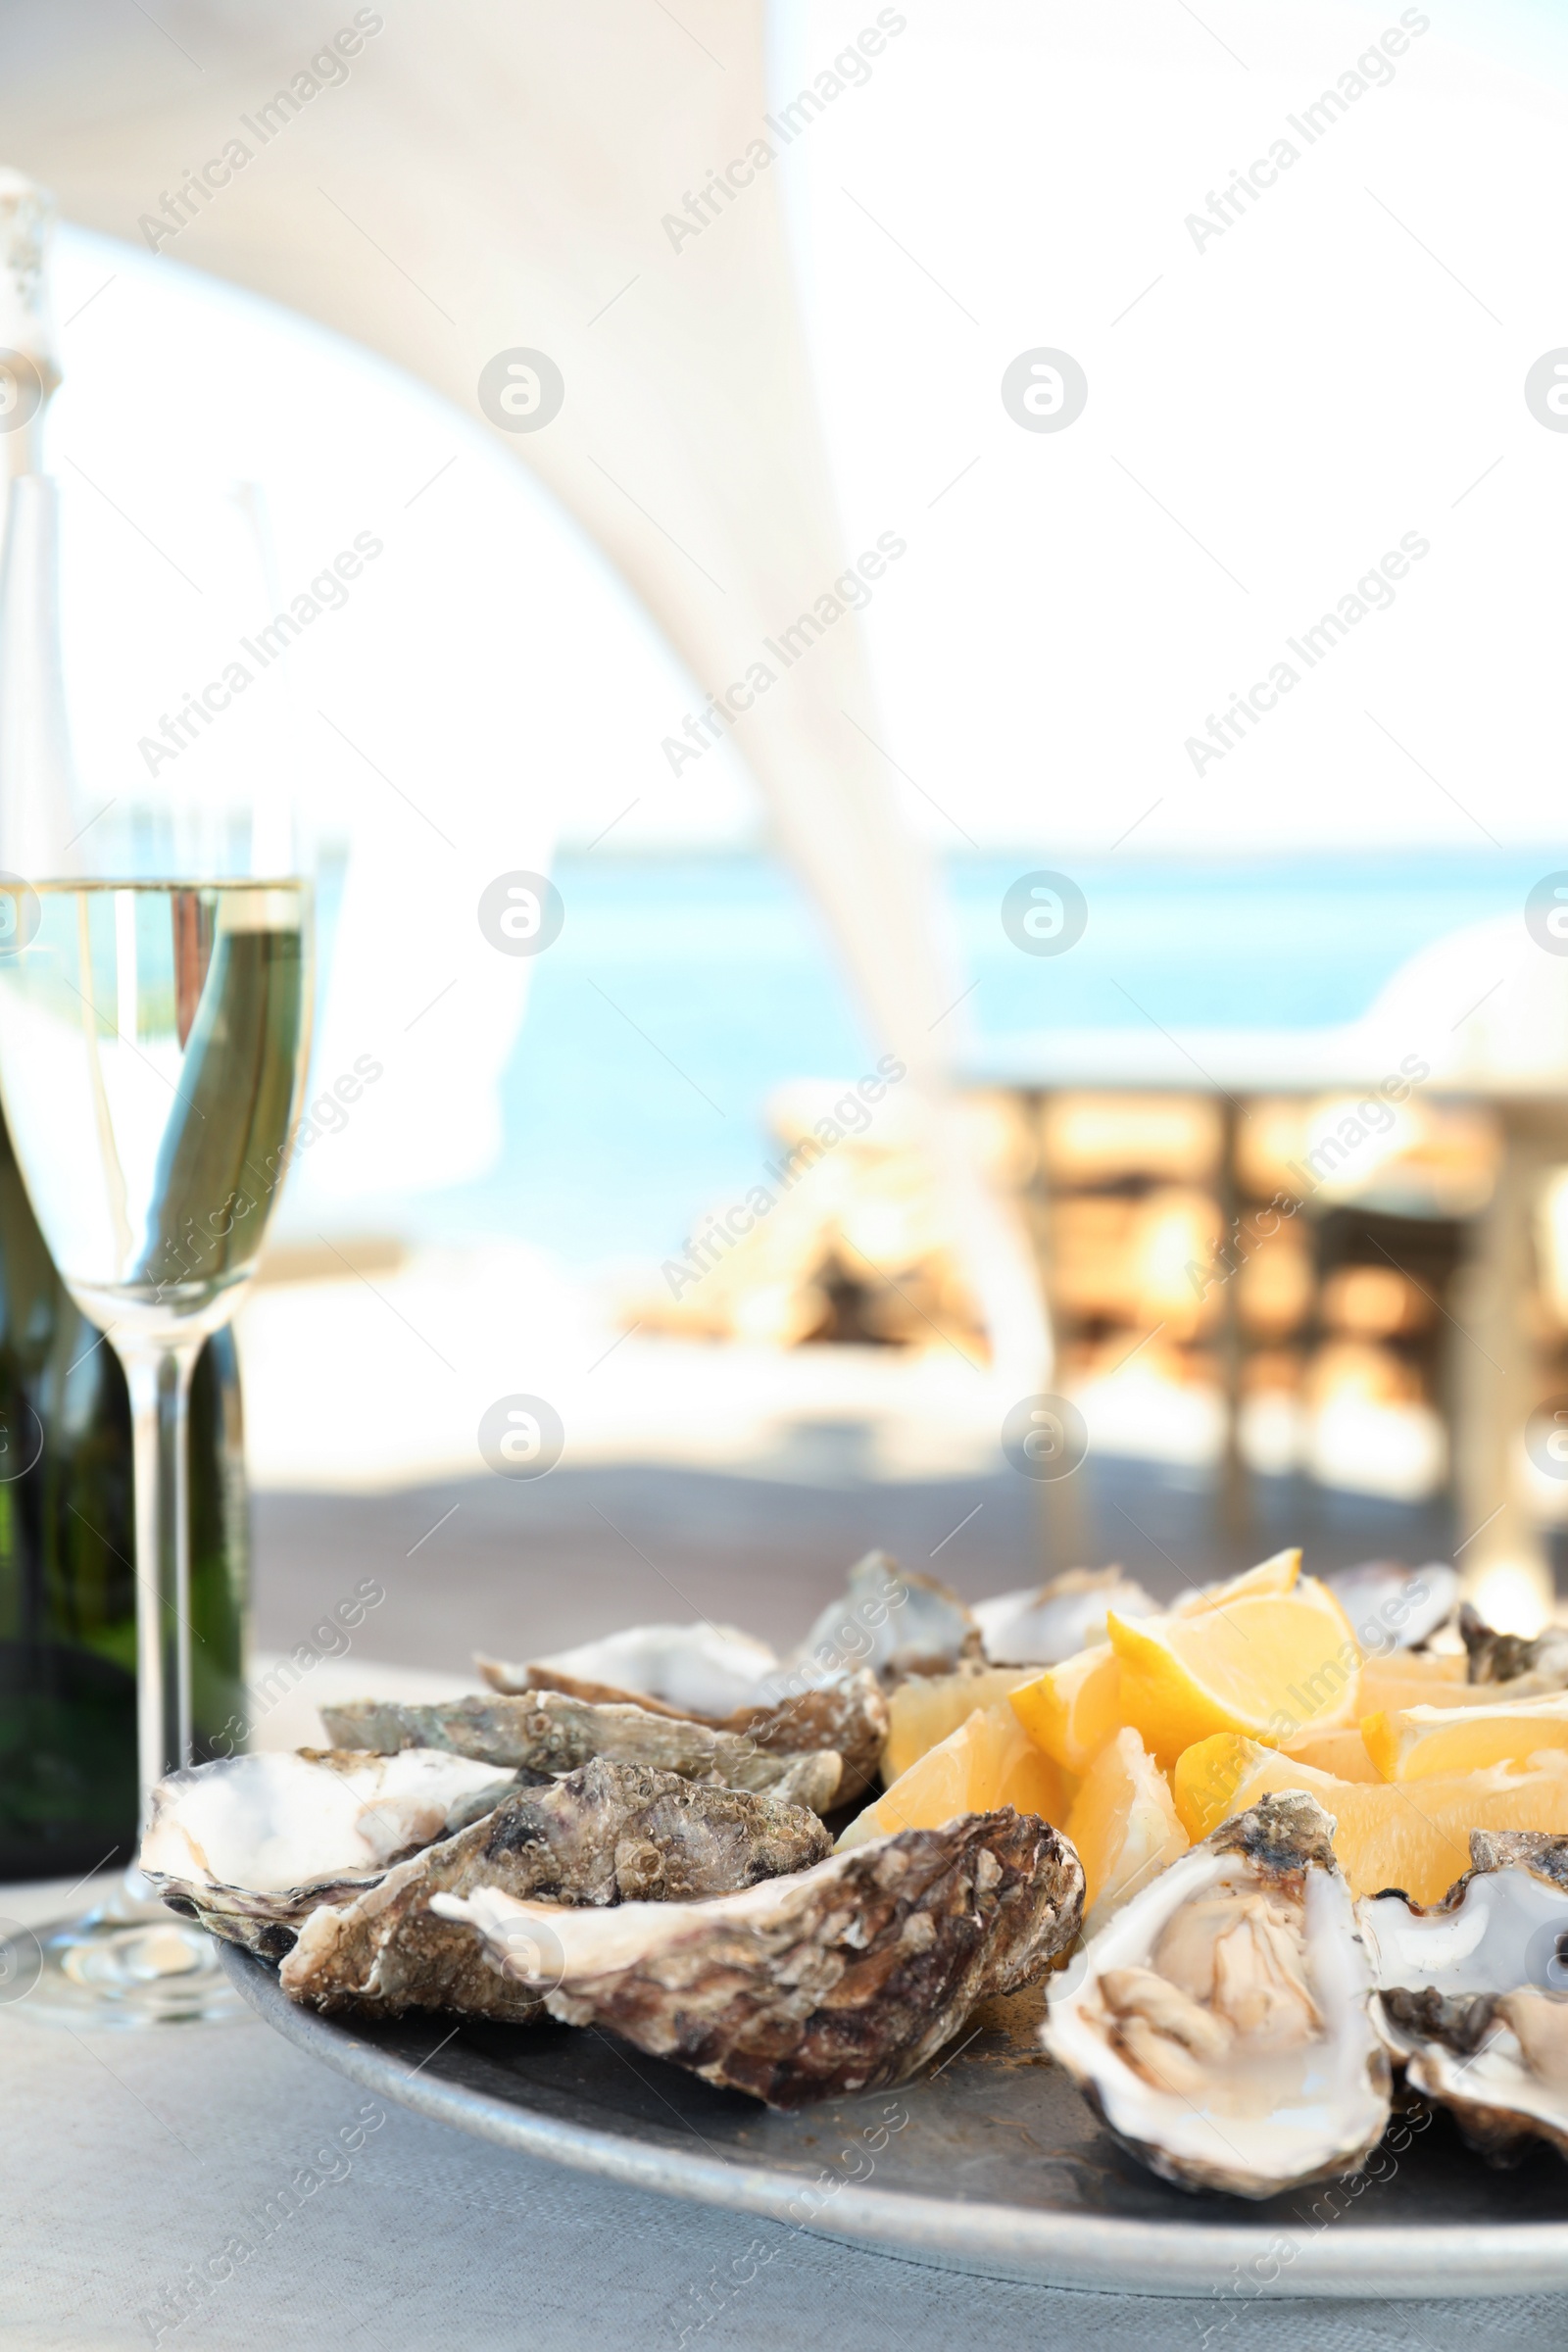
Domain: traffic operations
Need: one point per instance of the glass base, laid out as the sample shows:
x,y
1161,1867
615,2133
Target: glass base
x,y
126,1962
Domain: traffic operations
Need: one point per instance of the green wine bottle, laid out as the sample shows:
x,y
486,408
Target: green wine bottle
x,y
68,1590
67,1586
67,1597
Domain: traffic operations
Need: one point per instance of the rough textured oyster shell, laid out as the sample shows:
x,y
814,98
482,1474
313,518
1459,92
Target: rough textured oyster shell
x,y
1498,2060
894,1622
1221,2020
848,1714
549,1730
250,1844
702,1673
845,1977
1473,1993
607,1834
1043,1624
1391,1607
1530,1668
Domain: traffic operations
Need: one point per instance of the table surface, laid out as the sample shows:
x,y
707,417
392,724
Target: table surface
x,y
133,2164
136,2164
211,2186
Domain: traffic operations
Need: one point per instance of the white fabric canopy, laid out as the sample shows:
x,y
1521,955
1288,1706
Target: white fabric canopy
x,y
446,183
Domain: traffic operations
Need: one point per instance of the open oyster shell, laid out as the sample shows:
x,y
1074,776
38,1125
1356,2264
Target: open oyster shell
x,y
251,1844
671,1669
1496,1929
1498,2060
607,1834
552,1731
1530,1668
701,1673
1043,1624
1473,1997
890,1620
844,1978
1391,1607
1220,2024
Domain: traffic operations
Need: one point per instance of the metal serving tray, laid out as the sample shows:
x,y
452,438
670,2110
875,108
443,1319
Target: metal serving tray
x,y
988,2163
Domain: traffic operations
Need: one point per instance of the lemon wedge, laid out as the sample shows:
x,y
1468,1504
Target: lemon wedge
x,y
1344,1753
988,1761
1409,1833
1124,1823
1270,1665
1419,1741
926,1707
1072,1709
1418,1679
1270,1577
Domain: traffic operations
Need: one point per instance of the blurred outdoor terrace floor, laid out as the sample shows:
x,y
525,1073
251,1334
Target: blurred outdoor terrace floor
x,y
700,1480
521,1569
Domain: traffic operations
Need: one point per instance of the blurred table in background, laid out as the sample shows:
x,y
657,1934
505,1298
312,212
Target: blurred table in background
x,y
1385,1327
1355,1229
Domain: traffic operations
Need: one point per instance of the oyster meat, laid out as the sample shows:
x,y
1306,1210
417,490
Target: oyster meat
x,y
553,1732
1473,1995
1530,1668
606,1834
250,1844
692,1674
1221,2024
1042,1625
844,1978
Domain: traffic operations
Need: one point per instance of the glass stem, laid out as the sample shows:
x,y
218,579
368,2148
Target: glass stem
x,y
159,1379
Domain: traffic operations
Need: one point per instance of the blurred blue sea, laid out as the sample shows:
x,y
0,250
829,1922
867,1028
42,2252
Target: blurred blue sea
x,y
685,988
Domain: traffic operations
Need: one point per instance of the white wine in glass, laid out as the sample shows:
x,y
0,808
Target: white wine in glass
x,y
151,1042
155,999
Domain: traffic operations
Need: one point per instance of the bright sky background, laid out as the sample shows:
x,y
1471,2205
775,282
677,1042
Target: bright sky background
x,y
1298,396
1265,416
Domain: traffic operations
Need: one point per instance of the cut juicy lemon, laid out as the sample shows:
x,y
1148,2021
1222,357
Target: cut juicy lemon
x,y
1409,1833
928,1706
1344,1753
1405,1680
1272,1576
1072,1709
1421,1741
988,1761
1269,1665
1124,1823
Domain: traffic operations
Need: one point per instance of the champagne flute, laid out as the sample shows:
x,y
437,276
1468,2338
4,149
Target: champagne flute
x,y
154,1028
155,1004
